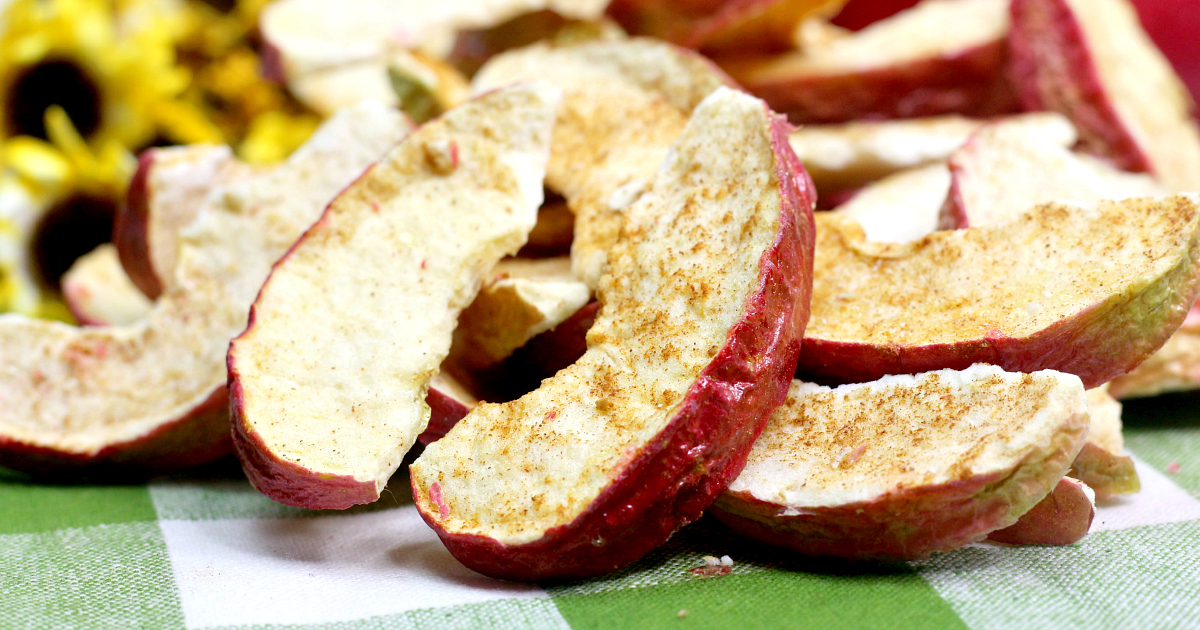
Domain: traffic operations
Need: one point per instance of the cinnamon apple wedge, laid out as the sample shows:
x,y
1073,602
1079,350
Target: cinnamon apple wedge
x,y
1091,290
1062,518
1091,61
1102,463
152,394
522,299
169,188
854,154
1174,368
328,381
902,207
624,103
984,170
99,293
907,465
703,305
940,57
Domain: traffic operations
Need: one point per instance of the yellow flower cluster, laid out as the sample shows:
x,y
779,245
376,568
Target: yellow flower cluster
x,y
86,84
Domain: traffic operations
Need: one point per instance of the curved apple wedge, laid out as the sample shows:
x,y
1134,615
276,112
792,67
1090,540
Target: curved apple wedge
x,y
703,306
328,382
1008,167
99,293
152,394
624,102
939,57
1089,290
1091,61
902,467
168,190
854,154
1100,463
1062,518
901,207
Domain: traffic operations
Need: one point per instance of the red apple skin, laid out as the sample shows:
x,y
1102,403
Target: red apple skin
x,y
704,447
1062,518
1174,25
954,211
972,83
131,230
445,412
906,525
858,14
687,23
271,64
199,437
1074,89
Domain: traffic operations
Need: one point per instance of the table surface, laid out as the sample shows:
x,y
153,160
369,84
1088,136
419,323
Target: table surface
x,y
204,550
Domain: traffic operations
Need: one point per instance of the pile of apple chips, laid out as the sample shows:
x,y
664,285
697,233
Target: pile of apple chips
x,y
592,283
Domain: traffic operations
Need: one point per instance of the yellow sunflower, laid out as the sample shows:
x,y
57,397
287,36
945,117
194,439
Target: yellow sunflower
x,y
57,202
117,80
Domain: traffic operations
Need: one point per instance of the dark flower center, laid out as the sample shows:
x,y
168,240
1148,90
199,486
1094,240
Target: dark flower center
x,y
222,6
72,228
52,82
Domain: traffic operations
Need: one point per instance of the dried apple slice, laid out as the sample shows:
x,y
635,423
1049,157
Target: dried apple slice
x,y
152,395
624,103
1089,290
703,308
328,382
985,169
99,293
854,154
449,401
168,190
737,24
302,36
1101,463
940,57
907,465
523,299
1174,368
1091,61
902,207
1062,518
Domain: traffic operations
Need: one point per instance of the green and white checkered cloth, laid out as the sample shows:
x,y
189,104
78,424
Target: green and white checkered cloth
x,y
204,550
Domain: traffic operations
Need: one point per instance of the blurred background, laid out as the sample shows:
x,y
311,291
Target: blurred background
x,y
86,85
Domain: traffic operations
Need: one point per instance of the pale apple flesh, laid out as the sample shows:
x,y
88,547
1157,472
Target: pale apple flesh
x,y
985,168
101,396
625,102
1062,518
902,207
169,188
855,154
1091,61
1109,285
1101,463
613,454
522,299
1174,368
902,467
328,381
99,293
940,57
